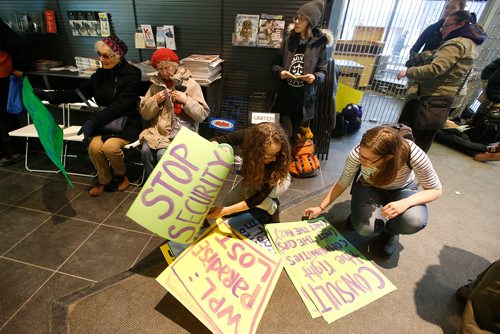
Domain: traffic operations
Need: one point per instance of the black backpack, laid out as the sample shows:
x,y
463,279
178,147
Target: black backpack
x,y
485,127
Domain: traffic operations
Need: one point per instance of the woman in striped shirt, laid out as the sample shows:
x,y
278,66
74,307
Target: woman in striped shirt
x,y
385,200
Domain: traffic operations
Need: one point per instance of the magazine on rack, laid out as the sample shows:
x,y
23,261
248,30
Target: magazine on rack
x,y
271,29
168,31
246,30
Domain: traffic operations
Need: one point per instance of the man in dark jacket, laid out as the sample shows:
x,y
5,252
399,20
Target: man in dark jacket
x,y
13,61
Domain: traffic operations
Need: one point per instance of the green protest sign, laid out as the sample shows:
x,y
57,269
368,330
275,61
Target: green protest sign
x,y
49,132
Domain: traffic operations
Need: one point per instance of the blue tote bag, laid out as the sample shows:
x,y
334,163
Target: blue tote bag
x,y
15,99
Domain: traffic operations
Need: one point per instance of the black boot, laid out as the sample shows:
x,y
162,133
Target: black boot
x,y
388,244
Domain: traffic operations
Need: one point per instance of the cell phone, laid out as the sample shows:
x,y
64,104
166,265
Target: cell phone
x,y
180,88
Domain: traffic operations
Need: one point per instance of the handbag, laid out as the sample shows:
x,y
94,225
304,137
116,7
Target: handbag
x,y
116,126
15,98
432,112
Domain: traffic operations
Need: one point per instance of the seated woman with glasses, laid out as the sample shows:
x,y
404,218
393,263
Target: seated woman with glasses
x,y
266,157
115,87
385,200
174,100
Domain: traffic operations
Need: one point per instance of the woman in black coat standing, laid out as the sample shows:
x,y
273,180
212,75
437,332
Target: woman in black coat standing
x,y
301,65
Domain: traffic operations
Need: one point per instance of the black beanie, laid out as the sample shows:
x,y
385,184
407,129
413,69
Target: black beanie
x,y
312,11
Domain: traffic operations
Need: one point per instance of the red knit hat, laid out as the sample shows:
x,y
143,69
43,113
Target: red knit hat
x,y
163,54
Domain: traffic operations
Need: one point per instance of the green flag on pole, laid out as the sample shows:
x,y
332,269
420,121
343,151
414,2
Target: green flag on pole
x,y
50,134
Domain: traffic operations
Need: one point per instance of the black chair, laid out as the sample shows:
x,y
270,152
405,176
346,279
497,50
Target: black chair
x,y
324,122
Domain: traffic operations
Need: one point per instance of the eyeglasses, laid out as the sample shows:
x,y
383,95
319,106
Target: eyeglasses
x,y
449,24
365,158
270,157
104,55
299,18
170,67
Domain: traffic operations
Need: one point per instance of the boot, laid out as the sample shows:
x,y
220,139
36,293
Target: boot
x,y
122,182
388,244
97,190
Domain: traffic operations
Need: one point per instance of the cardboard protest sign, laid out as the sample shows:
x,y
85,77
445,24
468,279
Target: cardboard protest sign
x,y
224,279
251,229
346,95
49,132
175,199
335,275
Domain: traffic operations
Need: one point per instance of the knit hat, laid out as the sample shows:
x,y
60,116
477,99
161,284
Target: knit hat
x,y
312,11
163,54
117,45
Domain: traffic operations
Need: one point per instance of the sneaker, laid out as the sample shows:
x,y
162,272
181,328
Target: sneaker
x,y
122,182
97,190
11,159
388,243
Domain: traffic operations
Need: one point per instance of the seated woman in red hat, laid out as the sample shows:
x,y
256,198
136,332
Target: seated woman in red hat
x,y
173,100
115,87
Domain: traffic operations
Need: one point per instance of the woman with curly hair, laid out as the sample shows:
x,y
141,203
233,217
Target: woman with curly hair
x,y
385,200
266,157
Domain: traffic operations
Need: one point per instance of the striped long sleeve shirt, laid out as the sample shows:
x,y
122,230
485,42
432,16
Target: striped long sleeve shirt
x,y
421,169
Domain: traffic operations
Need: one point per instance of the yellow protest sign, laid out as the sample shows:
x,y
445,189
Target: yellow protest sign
x,y
337,278
346,95
224,279
175,199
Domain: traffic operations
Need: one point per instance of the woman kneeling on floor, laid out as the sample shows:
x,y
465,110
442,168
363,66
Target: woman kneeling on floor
x,y
385,200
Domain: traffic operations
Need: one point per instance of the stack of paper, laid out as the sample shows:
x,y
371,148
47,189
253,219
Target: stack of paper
x,y
204,68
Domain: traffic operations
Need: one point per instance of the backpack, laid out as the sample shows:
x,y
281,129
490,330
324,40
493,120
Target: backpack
x,y
352,117
348,120
485,127
305,162
403,130
340,126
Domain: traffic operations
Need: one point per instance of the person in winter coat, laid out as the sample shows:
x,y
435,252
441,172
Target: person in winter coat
x,y
430,38
115,87
428,41
301,66
440,80
490,75
13,61
173,100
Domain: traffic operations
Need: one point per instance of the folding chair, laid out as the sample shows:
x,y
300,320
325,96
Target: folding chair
x,y
29,131
136,146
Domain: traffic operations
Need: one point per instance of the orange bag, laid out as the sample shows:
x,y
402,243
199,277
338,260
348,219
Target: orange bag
x,y
305,162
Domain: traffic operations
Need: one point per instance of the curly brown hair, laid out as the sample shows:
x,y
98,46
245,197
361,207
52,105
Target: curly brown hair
x,y
253,170
386,142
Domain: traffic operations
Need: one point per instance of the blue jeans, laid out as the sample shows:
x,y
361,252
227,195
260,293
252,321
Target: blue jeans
x,y
150,158
368,221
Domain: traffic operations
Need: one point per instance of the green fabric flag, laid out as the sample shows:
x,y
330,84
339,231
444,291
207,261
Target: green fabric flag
x,y
50,134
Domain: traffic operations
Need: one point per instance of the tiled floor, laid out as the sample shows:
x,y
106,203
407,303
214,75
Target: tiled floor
x,y
55,240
